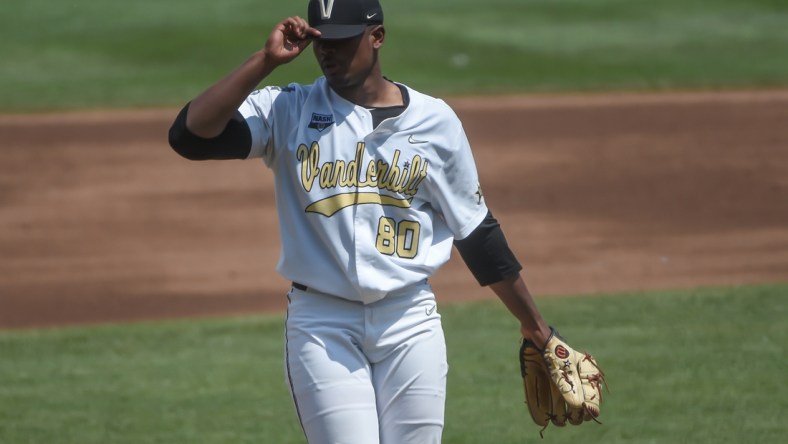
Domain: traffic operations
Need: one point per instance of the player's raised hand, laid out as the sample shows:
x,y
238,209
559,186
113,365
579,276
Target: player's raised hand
x,y
288,40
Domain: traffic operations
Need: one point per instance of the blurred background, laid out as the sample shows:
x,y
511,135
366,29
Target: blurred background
x,y
150,53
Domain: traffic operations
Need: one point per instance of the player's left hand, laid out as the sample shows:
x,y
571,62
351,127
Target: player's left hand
x,y
561,384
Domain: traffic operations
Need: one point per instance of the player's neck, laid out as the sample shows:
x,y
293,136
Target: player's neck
x,y
375,92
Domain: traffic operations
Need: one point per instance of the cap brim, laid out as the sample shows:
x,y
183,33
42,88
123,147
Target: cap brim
x,y
336,32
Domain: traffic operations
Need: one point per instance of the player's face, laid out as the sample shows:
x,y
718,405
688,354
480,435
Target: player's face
x,y
347,63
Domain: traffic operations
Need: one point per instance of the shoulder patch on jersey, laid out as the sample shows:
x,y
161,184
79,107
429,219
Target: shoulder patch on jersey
x,y
286,89
321,121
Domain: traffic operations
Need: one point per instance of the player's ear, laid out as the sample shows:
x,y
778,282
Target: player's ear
x,y
378,35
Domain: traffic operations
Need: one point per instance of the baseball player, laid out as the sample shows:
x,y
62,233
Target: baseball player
x,y
375,183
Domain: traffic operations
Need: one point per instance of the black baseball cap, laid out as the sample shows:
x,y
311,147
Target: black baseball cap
x,y
341,19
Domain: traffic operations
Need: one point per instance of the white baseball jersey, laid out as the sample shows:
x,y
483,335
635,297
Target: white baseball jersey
x,y
362,211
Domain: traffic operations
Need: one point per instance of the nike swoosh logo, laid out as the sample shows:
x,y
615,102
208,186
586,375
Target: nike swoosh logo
x,y
430,310
414,141
369,16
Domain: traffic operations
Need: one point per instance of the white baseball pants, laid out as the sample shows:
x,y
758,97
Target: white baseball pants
x,y
367,374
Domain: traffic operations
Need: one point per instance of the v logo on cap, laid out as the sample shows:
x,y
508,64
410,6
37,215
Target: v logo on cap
x,y
342,19
325,8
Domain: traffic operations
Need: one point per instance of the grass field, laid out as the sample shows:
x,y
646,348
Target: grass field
x,y
82,53
702,366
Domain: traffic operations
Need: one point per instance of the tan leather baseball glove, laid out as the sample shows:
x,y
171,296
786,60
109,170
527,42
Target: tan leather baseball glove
x,y
561,384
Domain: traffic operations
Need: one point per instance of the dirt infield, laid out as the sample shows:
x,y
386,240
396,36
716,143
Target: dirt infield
x,y
100,221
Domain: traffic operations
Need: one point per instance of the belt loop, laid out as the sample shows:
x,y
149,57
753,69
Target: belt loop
x,y
301,287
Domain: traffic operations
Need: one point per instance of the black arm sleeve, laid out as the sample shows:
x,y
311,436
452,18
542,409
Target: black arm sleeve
x,y
487,254
235,142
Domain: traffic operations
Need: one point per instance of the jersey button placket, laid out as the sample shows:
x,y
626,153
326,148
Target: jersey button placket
x,y
360,218
365,219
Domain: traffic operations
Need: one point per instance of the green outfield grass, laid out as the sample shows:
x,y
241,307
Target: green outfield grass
x,y
704,366
114,53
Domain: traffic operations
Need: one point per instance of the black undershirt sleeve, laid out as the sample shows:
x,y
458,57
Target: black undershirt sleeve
x,y
487,254
235,142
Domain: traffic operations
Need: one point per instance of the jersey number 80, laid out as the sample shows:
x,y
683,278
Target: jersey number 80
x,y
401,238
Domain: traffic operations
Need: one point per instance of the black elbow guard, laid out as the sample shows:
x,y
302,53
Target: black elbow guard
x,y
487,254
234,142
